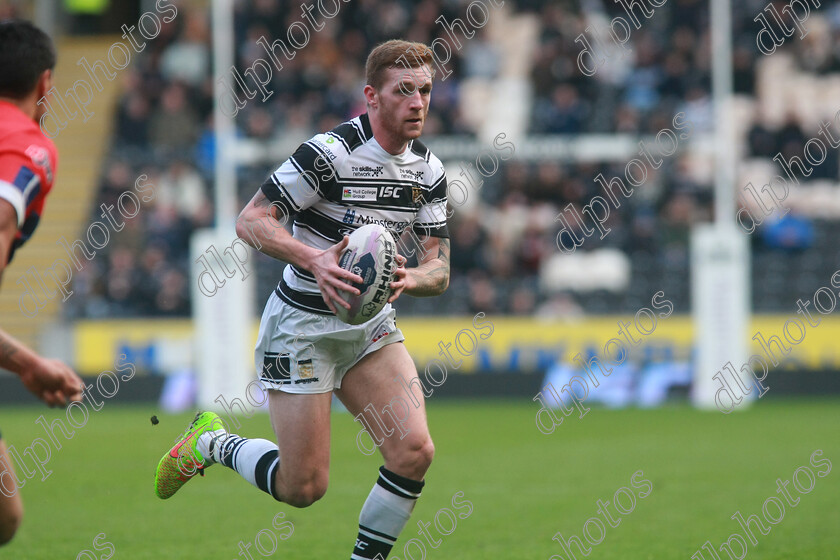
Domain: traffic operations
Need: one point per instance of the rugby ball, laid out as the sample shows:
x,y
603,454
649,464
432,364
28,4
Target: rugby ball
x,y
371,253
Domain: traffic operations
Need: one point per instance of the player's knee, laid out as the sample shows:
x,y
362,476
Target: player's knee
x,y
425,454
10,520
304,493
415,459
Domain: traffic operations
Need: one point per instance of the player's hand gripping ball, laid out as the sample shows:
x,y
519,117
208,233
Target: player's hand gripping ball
x,y
371,253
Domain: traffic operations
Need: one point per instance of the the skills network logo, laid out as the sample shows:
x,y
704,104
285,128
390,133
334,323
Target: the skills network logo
x,y
367,171
411,175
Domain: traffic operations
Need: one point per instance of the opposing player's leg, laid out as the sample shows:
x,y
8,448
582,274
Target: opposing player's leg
x,y
376,380
11,506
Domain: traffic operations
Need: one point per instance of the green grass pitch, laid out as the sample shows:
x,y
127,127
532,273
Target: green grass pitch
x,y
524,486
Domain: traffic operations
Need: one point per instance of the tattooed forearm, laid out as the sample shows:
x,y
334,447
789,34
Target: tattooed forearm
x,y
260,201
274,211
7,348
444,252
432,277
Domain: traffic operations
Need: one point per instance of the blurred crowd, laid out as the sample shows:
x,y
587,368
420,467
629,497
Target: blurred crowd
x,y
164,127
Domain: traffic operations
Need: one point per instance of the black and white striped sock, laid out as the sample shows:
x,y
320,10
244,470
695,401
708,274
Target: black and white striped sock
x,y
256,460
384,515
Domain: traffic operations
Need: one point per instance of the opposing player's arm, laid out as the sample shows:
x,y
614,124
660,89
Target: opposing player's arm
x,y
263,216
8,231
431,276
12,353
50,380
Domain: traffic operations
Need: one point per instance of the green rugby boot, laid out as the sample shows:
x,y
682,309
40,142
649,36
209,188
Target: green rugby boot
x,y
183,461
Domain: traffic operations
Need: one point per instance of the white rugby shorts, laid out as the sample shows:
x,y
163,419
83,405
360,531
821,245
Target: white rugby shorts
x,y
302,352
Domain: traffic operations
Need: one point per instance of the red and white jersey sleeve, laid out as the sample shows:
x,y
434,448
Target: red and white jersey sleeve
x,y
28,161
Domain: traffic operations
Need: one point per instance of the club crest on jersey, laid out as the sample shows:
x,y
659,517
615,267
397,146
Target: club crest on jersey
x,y
359,193
417,195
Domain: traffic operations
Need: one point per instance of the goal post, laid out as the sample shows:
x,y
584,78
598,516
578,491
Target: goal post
x,y
720,296
720,255
222,306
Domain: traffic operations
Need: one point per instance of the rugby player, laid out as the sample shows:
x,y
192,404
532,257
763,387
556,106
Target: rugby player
x,y
369,169
27,170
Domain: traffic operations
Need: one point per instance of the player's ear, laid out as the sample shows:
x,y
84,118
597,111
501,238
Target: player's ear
x,y
370,95
45,83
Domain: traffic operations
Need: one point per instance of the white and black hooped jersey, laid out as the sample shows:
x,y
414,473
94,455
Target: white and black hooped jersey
x,y
341,180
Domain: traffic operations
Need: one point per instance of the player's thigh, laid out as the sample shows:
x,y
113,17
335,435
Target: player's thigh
x,y
382,380
301,424
11,507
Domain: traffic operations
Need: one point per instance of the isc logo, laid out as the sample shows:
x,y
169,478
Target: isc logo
x,y
389,192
